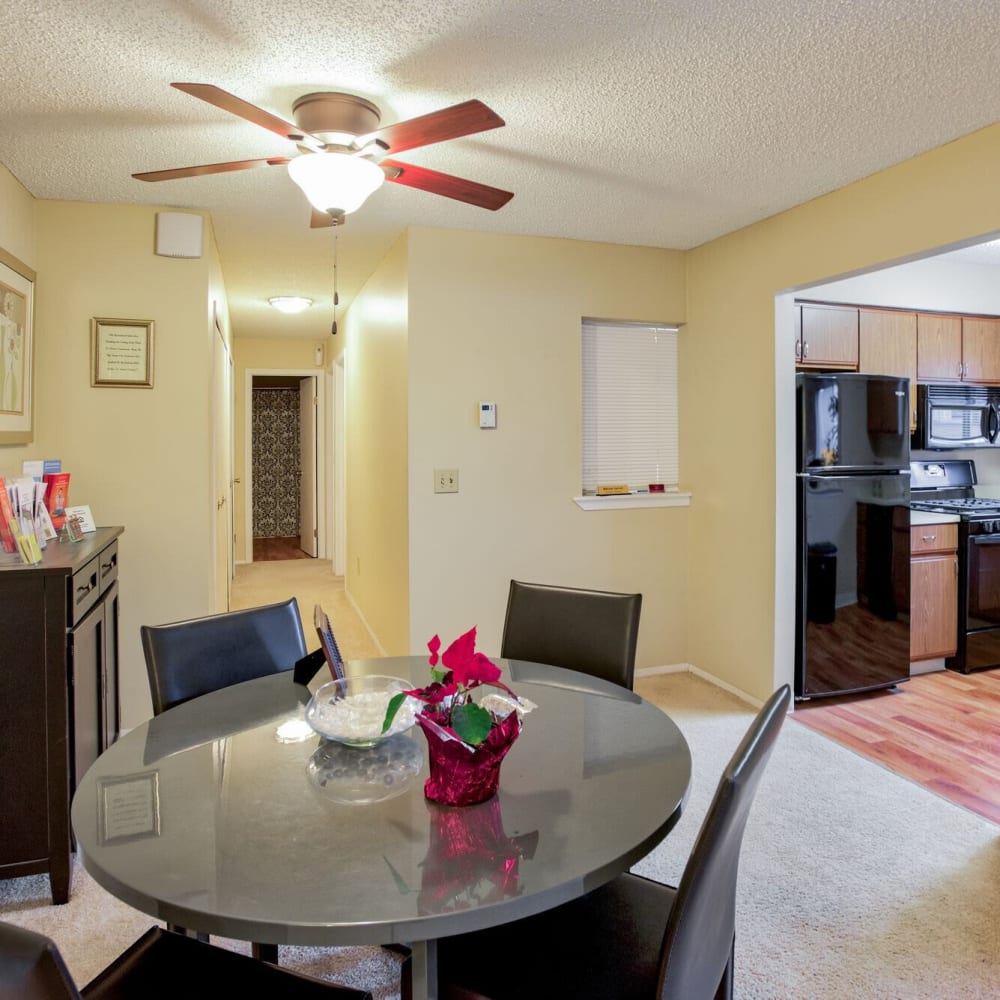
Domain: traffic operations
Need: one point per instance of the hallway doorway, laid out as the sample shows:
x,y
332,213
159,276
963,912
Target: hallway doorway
x,y
285,465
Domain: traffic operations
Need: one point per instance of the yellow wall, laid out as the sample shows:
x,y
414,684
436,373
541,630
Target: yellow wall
x,y
375,376
271,354
498,318
737,394
138,457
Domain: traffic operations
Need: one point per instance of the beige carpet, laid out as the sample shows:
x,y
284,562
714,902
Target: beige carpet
x,y
854,883
310,582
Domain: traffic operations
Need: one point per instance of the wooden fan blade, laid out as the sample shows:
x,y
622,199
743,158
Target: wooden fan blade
x,y
249,112
449,123
210,168
458,188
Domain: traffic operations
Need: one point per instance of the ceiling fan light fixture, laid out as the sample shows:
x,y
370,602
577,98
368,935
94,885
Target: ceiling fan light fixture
x,y
290,303
335,182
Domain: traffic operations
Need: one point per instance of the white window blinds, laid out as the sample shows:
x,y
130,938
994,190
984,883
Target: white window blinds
x,y
629,405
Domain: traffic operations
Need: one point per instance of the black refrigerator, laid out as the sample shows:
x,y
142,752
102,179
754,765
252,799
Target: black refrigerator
x,y
853,533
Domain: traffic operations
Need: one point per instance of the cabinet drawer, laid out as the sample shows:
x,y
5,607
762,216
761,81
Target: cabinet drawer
x,y
84,589
933,538
109,567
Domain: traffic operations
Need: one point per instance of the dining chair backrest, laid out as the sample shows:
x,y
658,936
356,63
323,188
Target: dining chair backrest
x,y
190,658
698,942
159,964
31,967
593,631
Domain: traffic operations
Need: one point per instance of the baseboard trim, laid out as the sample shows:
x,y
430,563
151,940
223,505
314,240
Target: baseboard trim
x,y
689,668
364,621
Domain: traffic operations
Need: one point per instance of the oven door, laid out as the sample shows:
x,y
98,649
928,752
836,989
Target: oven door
x,y
982,581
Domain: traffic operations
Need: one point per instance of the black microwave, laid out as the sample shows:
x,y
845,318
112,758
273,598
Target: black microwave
x,y
951,417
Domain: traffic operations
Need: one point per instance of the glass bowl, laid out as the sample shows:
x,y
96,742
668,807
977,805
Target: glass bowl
x,y
351,710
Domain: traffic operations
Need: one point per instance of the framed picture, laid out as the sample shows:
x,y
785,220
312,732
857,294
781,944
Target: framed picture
x,y
17,324
129,807
122,352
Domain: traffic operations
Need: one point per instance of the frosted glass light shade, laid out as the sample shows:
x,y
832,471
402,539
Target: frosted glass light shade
x,y
290,303
335,182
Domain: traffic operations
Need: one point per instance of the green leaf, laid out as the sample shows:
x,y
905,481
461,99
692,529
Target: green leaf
x,y
471,722
391,709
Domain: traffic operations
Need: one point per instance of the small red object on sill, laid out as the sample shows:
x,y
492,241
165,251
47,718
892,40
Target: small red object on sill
x,y
656,487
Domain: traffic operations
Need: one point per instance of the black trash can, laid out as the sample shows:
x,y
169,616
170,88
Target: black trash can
x,y
821,582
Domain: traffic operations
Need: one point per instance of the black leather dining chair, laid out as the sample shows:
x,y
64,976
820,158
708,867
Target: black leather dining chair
x,y
633,938
593,631
159,965
190,658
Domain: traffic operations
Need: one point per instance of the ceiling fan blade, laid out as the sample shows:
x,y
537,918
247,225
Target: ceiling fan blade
x,y
249,112
458,188
210,168
449,123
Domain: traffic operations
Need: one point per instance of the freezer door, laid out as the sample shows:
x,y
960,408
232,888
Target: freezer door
x,y
853,609
851,423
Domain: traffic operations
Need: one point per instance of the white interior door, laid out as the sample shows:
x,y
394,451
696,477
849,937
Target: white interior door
x,y
222,469
308,536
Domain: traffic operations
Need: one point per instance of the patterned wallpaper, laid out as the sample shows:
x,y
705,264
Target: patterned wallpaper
x,y
275,420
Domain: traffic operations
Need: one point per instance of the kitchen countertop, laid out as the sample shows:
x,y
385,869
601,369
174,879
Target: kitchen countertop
x,y
929,517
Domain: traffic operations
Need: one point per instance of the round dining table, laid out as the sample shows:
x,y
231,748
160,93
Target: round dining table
x,y
226,815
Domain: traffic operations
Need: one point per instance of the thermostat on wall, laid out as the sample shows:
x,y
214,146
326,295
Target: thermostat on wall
x,y
487,415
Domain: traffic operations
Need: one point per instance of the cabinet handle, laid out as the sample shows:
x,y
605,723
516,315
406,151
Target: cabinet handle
x,y
805,348
109,565
82,592
960,369
928,538
798,349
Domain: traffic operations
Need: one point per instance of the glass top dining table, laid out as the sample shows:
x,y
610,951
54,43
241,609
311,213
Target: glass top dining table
x,y
223,816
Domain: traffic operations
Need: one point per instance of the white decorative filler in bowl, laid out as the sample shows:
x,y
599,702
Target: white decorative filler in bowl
x,y
351,711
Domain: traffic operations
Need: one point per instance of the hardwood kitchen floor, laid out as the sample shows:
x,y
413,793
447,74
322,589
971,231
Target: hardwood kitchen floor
x,y
941,730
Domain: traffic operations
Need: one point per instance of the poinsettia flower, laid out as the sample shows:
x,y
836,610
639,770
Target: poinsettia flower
x,y
434,645
435,693
460,651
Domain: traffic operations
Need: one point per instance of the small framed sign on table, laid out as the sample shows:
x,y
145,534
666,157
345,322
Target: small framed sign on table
x,y
129,807
122,352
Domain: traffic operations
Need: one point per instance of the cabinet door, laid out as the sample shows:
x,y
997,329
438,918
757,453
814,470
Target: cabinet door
x,y
829,337
888,346
981,350
939,348
86,645
933,606
110,715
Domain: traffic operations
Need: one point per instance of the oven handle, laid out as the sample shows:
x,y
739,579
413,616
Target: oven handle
x,y
985,539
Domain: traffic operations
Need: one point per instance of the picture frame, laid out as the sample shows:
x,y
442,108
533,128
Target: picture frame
x,y
17,350
129,807
121,352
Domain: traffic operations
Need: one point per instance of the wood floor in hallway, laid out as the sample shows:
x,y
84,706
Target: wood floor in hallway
x,y
310,582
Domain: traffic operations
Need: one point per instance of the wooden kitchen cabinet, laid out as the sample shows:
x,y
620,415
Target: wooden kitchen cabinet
x,y
958,349
826,336
887,340
59,664
933,590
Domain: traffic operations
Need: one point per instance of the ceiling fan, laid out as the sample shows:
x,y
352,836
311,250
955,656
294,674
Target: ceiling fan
x,y
343,149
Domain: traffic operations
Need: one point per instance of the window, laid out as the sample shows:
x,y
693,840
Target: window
x,y
629,406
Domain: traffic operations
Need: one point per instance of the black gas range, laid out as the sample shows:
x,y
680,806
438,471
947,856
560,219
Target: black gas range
x,y
948,487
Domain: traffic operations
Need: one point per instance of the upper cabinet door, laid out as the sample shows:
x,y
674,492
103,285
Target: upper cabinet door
x,y
829,337
888,346
981,350
939,348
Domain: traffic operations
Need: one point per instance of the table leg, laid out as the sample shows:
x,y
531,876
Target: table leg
x,y
425,973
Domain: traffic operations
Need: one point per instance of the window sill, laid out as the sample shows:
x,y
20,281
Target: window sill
x,y
628,501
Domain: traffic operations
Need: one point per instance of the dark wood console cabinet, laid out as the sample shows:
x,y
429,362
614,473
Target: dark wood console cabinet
x,y
59,704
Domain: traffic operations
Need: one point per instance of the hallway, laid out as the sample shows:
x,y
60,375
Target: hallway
x,y
311,582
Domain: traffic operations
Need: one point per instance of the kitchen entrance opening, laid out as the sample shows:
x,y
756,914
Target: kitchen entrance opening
x,y
285,464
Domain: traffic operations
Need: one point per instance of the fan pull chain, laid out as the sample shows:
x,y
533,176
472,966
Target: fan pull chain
x,y
336,296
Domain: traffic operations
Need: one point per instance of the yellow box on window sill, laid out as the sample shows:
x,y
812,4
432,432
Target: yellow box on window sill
x,y
616,489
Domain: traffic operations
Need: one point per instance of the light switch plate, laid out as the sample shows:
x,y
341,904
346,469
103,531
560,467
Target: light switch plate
x,y
446,480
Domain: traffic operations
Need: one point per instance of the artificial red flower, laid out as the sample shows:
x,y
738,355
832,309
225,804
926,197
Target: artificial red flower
x,y
434,645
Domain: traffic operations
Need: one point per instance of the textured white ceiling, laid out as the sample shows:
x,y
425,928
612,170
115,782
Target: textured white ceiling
x,y
649,122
